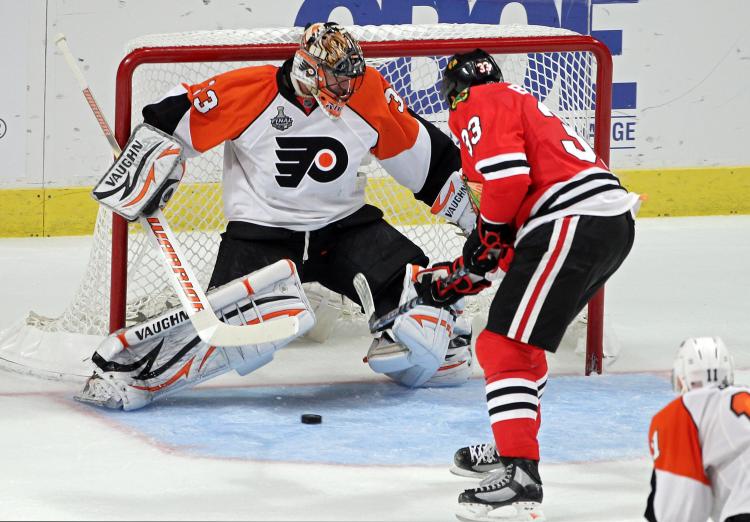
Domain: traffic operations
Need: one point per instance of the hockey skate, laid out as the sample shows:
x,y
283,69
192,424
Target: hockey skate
x,y
104,391
476,461
513,494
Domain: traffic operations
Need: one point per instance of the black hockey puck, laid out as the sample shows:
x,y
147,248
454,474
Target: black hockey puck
x,y
311,418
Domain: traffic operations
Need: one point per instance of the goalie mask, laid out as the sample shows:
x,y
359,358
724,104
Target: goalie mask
x,y
464,70
702,362
330,65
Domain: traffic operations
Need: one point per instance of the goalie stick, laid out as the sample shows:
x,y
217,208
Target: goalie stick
x,y
208,326
378,324
362,287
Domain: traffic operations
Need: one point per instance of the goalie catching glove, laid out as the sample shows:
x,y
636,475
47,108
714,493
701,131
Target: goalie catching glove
x,y
144,176
137,365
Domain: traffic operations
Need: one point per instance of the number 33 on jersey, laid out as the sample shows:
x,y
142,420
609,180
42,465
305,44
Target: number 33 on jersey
x,y
539,129
526,158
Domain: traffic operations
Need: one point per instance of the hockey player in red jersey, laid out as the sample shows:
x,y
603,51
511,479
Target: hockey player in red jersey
x,y
294,136
547,200
700,442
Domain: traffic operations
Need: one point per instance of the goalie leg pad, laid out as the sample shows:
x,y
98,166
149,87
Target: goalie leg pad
x,y
421,339
457,368
140,364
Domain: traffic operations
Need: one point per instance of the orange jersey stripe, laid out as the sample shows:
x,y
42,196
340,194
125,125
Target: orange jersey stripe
x,y
381,106
225,105
675,444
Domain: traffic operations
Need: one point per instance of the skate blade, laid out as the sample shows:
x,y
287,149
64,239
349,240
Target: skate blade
x,y
98,394
517,512
111,403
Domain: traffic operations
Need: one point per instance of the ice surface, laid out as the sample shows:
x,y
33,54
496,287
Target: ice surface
x,y
234,449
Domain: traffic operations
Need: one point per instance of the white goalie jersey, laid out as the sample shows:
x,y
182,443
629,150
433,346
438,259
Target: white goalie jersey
x,y
287,164
700,444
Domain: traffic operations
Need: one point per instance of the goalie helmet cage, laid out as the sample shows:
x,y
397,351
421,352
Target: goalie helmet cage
x,y
124,282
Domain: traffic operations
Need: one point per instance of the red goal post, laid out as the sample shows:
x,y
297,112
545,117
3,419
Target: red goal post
x,y
430,42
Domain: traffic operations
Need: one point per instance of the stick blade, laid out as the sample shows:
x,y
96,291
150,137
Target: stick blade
x,y
362,287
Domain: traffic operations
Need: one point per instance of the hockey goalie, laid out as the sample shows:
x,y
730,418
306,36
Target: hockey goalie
x,y
188,344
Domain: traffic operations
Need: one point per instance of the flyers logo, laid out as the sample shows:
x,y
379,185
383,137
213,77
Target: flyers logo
x,y
741,404
324,159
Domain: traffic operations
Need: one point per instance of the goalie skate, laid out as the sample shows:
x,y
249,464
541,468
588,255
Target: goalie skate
x,y
511,495
99,392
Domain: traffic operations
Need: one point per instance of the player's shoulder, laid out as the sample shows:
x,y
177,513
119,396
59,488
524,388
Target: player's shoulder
x,y
243,92
253,77
675,412
701,398
487,96
372,98
370,95
739,396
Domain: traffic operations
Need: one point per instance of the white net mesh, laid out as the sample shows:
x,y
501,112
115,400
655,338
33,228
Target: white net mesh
x,y
563,80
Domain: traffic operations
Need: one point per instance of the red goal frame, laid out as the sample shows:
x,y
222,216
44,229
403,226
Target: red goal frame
x,y
384,49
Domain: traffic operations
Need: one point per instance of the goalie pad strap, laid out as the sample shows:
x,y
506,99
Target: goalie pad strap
x,y
144,176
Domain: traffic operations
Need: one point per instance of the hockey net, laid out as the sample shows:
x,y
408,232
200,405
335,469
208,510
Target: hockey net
x,y
124,282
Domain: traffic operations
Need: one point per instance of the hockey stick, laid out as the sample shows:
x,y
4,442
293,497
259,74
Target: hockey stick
x,y
208,326
378,324
362,287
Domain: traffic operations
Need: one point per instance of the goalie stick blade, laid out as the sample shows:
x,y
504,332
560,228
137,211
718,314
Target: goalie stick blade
x,y
216,333
362,287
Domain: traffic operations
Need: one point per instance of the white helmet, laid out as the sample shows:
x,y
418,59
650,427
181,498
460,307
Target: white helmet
x,y
702,362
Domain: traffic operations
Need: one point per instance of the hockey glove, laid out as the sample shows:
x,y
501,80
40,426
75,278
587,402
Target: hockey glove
x,y
436,290
486,245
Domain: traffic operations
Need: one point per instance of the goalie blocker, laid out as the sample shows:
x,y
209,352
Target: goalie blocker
x,y
144,176
137,365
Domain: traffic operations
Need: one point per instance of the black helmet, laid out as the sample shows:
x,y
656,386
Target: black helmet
x,y
464,70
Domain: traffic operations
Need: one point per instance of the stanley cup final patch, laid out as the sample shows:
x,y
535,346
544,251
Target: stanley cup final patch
x,y
281,121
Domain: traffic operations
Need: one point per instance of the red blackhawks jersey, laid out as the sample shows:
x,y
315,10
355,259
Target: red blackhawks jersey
x,y
700,444
531,167
289,165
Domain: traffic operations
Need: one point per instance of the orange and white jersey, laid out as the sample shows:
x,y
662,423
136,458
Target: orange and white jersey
x,y
700,444
291,166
